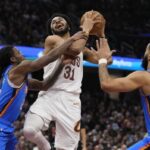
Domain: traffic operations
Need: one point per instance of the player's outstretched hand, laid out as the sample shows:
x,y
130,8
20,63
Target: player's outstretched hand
x,y
103,50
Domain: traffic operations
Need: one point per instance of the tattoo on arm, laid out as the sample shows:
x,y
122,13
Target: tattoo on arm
x,y
103,72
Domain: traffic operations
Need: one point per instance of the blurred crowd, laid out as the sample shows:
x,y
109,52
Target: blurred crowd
x,y
111,124
128,22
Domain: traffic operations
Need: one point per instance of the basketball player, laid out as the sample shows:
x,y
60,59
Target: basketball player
x,y
13,73
61,102
136,80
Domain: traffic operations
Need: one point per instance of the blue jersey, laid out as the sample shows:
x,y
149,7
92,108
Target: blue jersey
x,y
11,101
144,144
146,109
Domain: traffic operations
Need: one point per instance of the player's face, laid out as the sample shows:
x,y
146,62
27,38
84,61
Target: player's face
x,y
146,58
18,57
59,26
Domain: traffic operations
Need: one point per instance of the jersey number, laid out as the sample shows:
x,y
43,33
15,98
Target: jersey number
x,y
69,73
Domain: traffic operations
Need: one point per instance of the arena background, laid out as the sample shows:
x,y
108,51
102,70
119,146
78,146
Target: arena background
x,y
112,120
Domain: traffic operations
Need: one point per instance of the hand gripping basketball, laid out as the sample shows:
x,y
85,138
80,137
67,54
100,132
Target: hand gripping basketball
x,y
98,26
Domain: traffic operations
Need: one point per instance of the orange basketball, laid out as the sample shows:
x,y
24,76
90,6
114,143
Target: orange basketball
x,y
99,26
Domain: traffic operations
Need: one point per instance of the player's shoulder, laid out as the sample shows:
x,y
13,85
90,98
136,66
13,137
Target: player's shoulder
x,y
142,72
140,75
52,38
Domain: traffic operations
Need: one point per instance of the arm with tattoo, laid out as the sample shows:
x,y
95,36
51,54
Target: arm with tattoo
x,y
135,80
103,73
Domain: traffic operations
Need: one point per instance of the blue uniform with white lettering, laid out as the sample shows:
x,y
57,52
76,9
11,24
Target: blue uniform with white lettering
x,y
144,144
11,101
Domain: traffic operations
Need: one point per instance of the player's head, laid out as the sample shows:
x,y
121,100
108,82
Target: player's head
x,y
146,58
59,24
9,55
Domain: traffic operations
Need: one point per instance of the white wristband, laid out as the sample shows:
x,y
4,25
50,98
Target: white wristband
x,y
102,61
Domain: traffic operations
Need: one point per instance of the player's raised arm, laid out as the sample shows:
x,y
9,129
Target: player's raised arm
x,y
125,84
133,81
28,66
86,25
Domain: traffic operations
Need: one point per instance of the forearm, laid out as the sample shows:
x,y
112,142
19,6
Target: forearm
x,y
84,142
56,52
83,137
50,57
37,85
103,73
79,45
34,84
50,80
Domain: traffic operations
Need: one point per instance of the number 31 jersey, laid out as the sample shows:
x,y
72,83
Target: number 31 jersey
x,y
70,78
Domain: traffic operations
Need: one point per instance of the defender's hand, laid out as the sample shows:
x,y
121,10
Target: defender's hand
x,y
104,50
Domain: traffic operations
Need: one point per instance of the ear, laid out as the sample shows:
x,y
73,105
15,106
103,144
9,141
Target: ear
x,y
12,59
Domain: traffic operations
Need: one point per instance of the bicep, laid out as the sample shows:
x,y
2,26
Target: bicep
x,y
123,85
131,82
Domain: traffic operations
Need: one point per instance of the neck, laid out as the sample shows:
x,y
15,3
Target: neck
x,y
66,35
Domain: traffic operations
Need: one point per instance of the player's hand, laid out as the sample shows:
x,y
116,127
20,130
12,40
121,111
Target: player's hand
x,y
93,23
104,50
100,28
89,19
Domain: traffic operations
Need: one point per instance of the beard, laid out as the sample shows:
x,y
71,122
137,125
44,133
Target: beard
x,y
60,32
144,63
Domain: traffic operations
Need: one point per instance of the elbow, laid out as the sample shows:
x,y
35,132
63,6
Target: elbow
x,y
105,86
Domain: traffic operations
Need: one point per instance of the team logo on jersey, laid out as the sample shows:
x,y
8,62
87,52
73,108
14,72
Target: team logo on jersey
x,y
76,61
77,126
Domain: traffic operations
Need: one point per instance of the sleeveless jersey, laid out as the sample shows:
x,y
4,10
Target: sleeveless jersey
x,y
69,79
11,101
146,109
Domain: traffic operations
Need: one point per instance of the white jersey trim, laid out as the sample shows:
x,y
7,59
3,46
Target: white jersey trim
x,y
13,85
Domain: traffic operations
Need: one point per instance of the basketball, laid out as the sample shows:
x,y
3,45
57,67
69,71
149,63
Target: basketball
x,y
99,26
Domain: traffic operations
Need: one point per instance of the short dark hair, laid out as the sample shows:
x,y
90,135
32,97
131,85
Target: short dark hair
x,y
5,54
58,15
